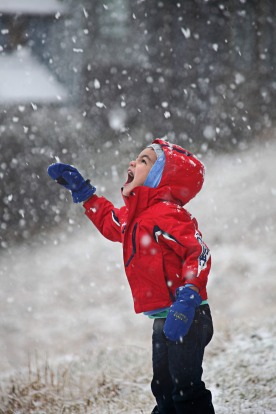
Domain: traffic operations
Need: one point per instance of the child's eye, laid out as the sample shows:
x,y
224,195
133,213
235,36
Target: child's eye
x,y
144,161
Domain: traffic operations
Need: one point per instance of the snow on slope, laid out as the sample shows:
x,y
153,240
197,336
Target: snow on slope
x,y
237,210
24,79
70,300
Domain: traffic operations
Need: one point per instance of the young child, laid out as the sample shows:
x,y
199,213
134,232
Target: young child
x,y
166,263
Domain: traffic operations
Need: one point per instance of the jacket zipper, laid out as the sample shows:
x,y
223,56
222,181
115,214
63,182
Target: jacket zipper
x,y
133,245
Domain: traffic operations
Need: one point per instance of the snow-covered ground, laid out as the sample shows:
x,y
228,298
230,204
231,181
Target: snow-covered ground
x,y
67,300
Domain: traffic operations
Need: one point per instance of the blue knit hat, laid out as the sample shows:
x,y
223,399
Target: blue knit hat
x,y
154,176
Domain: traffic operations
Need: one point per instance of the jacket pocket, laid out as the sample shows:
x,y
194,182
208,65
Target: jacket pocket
x,y
134,245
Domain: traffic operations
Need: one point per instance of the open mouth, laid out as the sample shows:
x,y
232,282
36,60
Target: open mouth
x,y
130,177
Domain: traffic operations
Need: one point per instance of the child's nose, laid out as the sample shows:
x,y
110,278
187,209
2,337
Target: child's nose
x,y
132,163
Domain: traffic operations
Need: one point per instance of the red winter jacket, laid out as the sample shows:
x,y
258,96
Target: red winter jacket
x,y
162,246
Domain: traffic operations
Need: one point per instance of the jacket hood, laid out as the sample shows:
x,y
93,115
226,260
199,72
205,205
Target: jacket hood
x,y
183,174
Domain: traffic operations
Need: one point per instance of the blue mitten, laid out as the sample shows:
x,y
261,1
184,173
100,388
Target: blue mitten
x,y
70,178
181,313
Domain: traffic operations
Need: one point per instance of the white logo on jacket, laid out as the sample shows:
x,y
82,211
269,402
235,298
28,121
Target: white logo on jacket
x,y
205,253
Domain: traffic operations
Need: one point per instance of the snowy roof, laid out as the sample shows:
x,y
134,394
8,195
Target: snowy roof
x,y
31,6
23,79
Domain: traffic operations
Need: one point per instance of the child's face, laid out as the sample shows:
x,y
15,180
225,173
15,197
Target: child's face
x,y
138,170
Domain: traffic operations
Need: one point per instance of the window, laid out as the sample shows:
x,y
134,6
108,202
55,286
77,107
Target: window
x,y
113,18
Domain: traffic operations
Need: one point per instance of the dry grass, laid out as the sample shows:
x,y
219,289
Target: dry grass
x,y
239,369
79,387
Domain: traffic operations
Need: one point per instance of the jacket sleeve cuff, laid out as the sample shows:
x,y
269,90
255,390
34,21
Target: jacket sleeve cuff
x,y
197,283
90,201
